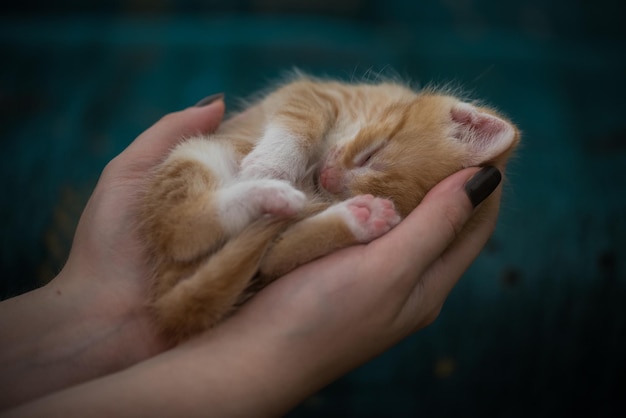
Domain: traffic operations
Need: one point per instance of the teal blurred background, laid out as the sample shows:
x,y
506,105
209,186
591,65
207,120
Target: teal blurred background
x,y
537,327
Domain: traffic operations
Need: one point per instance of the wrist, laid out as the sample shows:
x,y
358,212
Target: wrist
x,y
272,366
115,329
66,333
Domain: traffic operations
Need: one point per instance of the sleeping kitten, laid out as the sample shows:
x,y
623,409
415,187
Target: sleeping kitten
x,y
313,167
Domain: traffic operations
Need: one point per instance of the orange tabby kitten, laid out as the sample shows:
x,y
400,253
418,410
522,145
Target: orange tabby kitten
x,y
313,167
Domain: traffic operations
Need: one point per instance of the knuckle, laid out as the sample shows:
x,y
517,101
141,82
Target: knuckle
x,y
110,168
431,316
170,118
167,117
455,218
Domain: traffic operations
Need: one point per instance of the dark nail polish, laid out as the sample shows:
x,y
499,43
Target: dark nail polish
x,y
482,184
210,99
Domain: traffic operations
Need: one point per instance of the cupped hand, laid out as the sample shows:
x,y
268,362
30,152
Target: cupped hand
x,y
106,255
92,319
295,336
338,312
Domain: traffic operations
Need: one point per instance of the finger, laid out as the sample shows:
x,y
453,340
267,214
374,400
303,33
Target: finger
x,y
445,272
433,287
429,229
156,141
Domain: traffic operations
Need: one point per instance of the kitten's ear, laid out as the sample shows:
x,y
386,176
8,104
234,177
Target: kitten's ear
x,y
486,136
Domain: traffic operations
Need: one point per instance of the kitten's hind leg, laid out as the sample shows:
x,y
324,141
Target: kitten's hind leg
x,y
215,288
358,220
179,219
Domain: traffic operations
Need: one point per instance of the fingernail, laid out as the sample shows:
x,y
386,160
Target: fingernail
x,y
482,184
210,99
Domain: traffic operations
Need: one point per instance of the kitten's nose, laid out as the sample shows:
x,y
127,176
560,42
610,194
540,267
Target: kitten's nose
x,y
331,179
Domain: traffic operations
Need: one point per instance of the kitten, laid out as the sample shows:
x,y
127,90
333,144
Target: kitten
x,y
314,166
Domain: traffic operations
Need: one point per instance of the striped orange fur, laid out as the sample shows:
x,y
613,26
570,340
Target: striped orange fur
x,y
314,166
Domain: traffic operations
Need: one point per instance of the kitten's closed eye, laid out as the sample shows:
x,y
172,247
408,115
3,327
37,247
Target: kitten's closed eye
x,y
365,156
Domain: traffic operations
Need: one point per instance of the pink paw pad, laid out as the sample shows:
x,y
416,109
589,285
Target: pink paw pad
x,y
371,216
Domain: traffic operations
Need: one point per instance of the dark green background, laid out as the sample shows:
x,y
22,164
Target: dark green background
x,y
537,327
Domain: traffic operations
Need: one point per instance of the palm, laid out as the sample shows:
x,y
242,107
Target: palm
x,y
107,250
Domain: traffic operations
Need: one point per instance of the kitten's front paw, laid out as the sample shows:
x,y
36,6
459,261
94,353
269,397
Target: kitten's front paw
x,y
277,197
369,217
253,167
246,201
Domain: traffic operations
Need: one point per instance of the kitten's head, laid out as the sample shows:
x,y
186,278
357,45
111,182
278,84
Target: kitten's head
x,y
411,144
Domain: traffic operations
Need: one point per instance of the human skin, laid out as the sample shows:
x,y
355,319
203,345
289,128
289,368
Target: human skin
x,y
91,319
86,339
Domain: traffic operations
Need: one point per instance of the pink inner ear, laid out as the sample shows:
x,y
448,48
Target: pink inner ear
x,y
482,122
487,135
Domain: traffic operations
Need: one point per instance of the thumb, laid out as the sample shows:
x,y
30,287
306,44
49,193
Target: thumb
x,y
445,271
429,252
430,228
151,145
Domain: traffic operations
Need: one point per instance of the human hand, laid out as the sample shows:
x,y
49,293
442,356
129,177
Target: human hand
x,y
92,319
338,312
297,335
309,327
107,252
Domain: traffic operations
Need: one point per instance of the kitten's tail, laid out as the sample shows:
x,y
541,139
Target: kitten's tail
x,y
200,301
